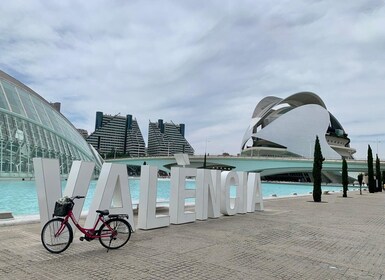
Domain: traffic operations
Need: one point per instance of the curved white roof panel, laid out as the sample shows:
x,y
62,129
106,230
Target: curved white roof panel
x,y
30,127
293,123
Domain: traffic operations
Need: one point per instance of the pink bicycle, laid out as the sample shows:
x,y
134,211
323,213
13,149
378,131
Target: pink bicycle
x,y
57,233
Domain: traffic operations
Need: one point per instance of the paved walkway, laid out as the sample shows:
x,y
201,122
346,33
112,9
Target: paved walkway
x,y
342,238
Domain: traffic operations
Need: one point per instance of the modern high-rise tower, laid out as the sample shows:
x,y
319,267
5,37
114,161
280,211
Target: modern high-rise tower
x,y
117,135
167,139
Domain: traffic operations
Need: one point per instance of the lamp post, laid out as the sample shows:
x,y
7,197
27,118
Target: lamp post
x,y
206,144
168,147
204,160
377,146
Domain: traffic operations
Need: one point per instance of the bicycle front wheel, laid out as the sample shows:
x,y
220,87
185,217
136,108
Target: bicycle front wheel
x,y
56,236
117,236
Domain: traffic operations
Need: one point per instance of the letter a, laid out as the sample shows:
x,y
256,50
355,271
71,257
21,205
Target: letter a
x,y
112,192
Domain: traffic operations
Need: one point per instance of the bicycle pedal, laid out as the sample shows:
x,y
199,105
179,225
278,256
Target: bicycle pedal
x,y
81,238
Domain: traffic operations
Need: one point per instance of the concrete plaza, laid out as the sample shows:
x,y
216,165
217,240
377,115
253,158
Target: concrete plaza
x,y
294,238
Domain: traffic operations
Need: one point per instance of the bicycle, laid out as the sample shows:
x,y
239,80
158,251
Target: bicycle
x,y
57,233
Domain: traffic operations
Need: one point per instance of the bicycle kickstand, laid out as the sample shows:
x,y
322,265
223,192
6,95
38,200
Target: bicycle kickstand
x,y
109,244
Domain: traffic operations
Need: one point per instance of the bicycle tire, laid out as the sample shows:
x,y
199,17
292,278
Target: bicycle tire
x,y
60,243
122,236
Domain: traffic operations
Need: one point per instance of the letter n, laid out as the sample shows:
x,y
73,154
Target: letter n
x,y
208,194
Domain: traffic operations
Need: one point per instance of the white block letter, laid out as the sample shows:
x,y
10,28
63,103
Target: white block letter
x,y
254,193
48,185
229,178
147,218
179,193
112,192
208,188
78,183
242,193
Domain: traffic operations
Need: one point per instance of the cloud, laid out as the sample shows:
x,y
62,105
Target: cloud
x,y
205,64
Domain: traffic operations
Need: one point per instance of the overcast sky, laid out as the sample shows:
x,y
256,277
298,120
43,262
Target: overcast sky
x,y
203,63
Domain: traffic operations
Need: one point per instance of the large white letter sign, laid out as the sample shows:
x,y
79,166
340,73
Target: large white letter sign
x,y
229,178
147,218
78,184
179,193
48,185
254,193
242,193
112,192
208,194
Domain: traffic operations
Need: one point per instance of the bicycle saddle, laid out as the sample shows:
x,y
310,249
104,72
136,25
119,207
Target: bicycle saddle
x,y
103,212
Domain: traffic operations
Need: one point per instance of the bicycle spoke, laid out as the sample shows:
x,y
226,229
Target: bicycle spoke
x,y
56,236
115,233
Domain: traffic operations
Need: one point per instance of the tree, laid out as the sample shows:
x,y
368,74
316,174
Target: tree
x,y
360,178
378,175
317,169
371,182
345,180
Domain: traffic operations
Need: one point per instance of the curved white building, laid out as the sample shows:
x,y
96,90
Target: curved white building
x,y
31,127
288,127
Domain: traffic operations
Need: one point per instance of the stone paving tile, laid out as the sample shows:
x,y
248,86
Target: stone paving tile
x,y
292,239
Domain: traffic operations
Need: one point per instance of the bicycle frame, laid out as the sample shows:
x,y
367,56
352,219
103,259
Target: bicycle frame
x,y
88,232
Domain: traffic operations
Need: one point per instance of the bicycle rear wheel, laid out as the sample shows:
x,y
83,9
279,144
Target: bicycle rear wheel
x,y
56,243
118,237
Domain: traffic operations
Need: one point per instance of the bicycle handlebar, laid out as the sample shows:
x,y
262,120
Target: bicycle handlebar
x,y
78,197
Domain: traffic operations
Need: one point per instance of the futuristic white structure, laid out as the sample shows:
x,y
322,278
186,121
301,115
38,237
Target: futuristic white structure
x,y
288,127
30,127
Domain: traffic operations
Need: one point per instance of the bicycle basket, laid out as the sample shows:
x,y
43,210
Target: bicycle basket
x,y
62,208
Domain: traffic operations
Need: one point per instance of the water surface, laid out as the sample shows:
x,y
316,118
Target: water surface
x,y
20,197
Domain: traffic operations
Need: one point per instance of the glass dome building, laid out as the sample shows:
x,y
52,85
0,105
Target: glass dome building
x,y
30,127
